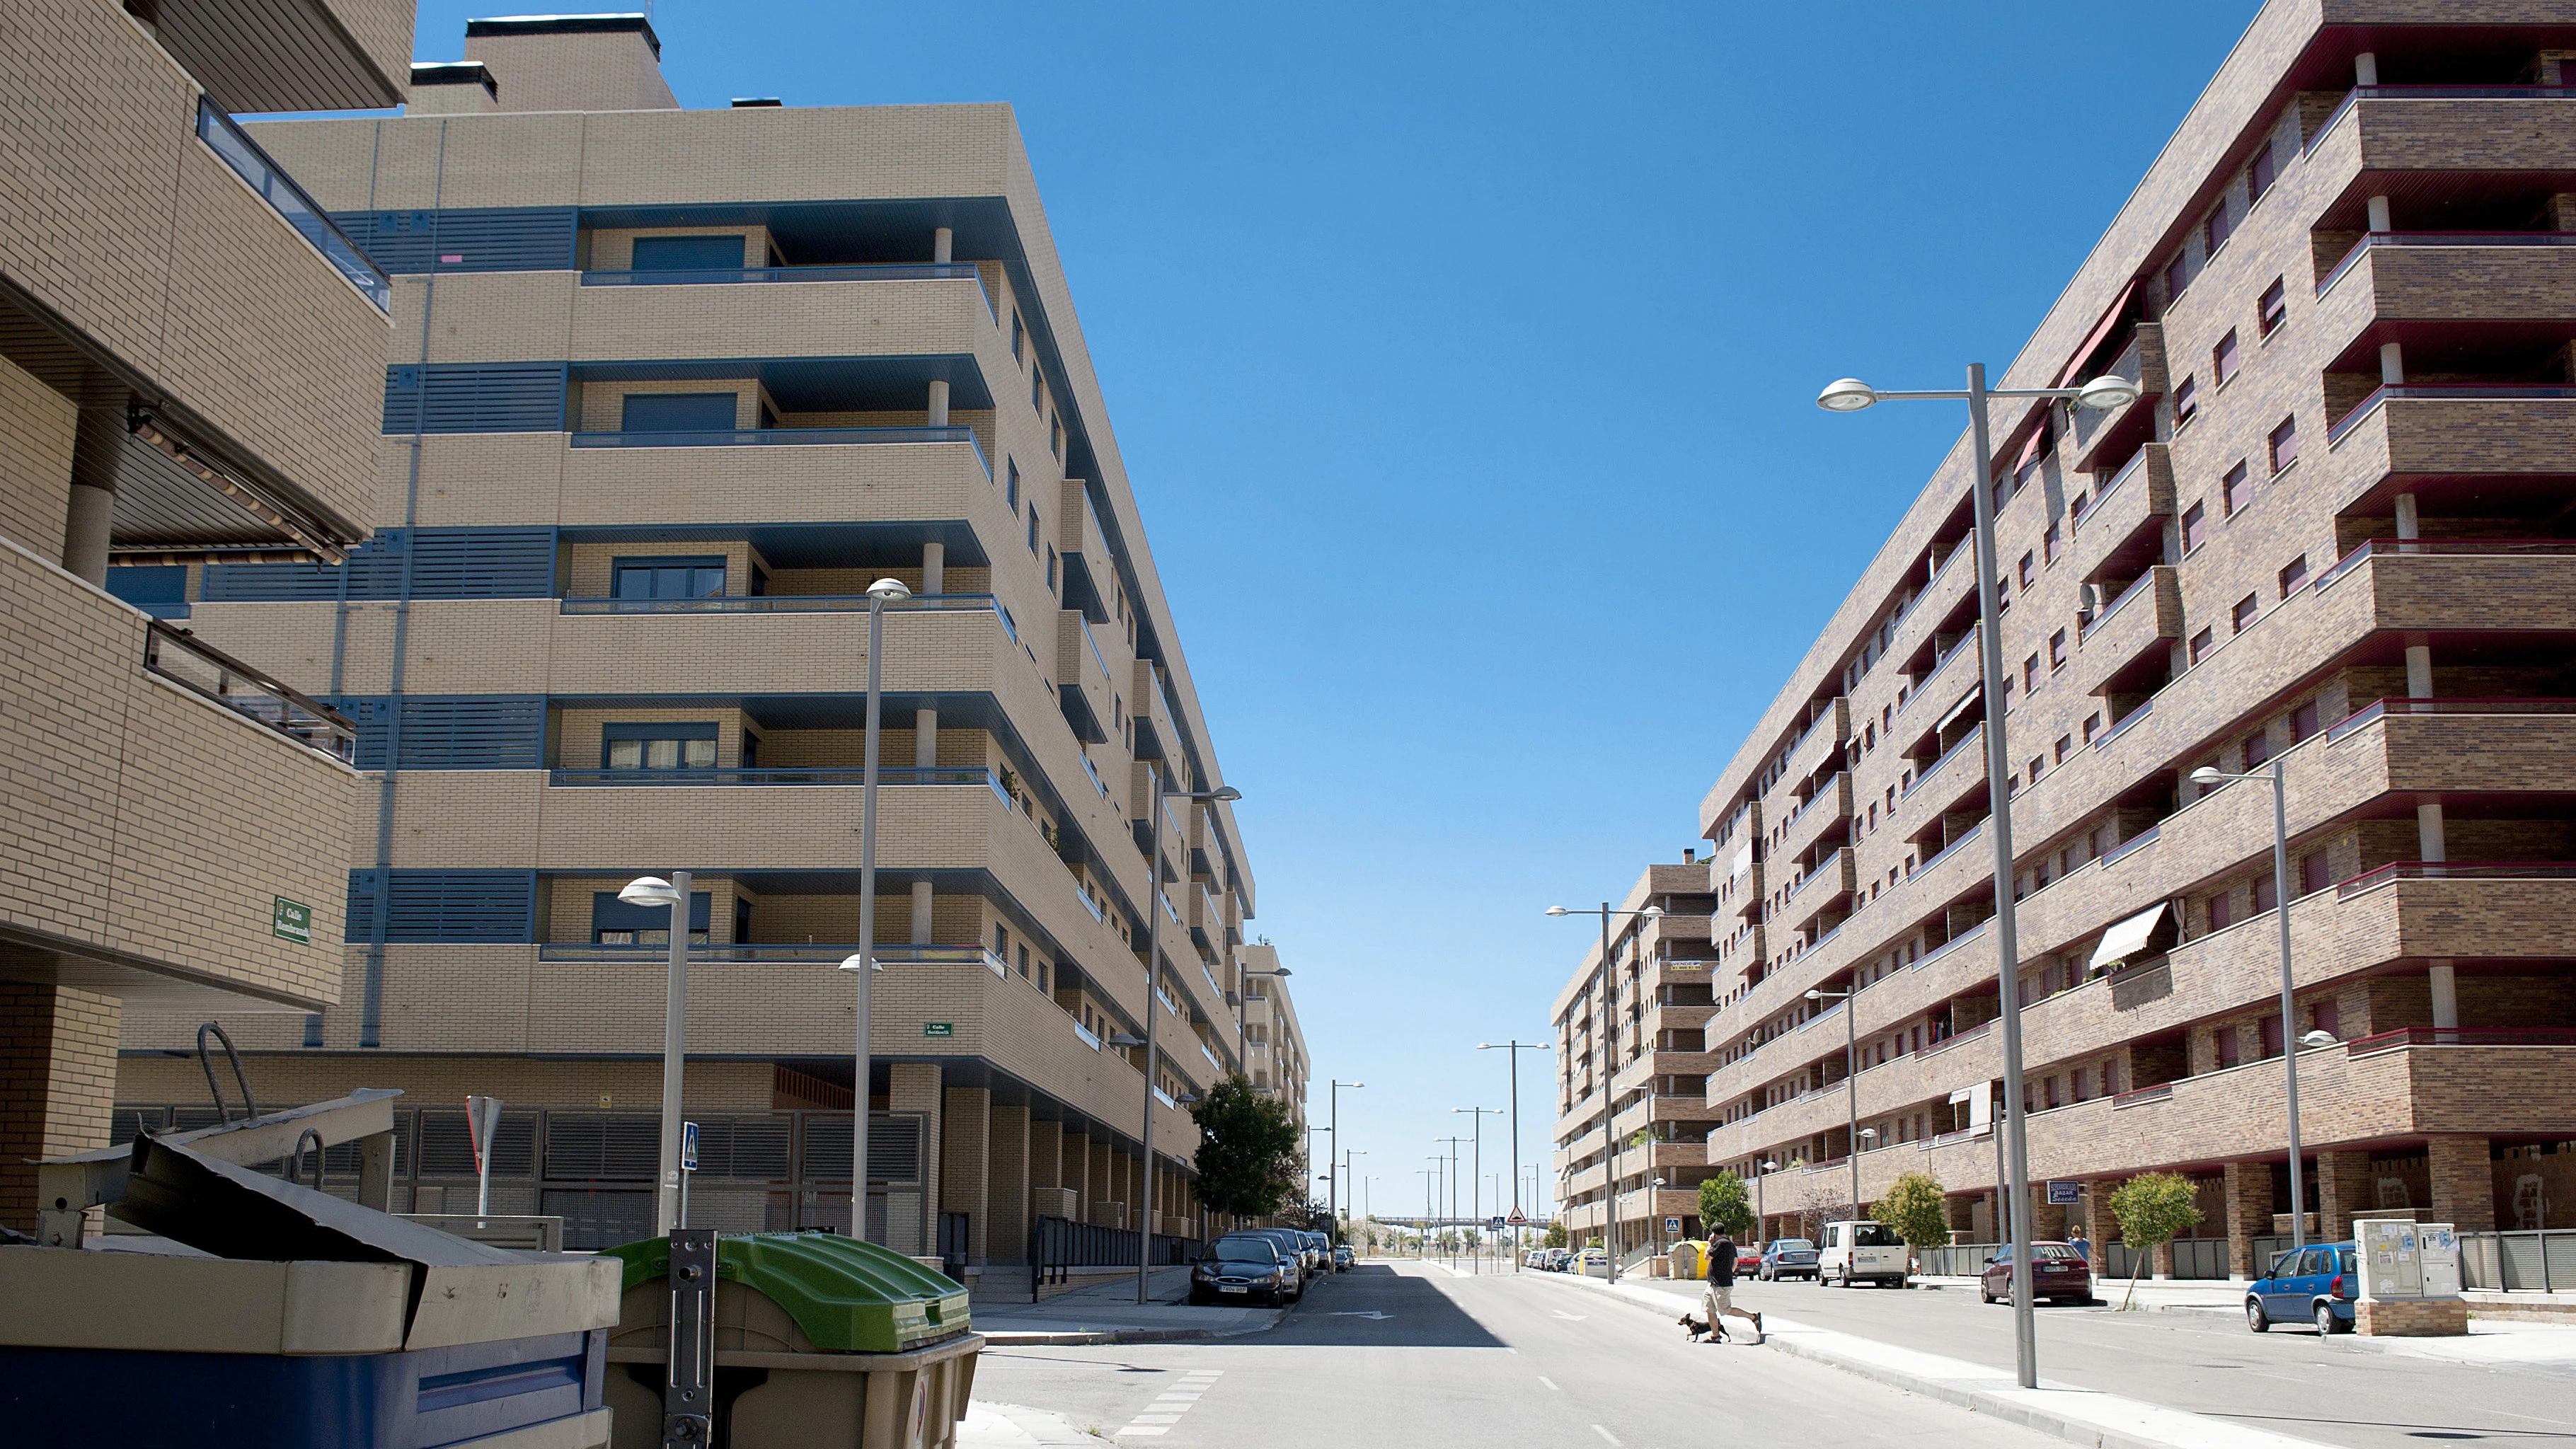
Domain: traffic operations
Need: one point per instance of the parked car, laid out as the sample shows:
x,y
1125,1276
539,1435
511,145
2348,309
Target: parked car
x,y
2316,1283
1323,1248
1536,1258
2058,1273
1343,1257
1748,1260
1856,1252
1299,1252
1788,1258
1245,1266
1551,1260
1591,1263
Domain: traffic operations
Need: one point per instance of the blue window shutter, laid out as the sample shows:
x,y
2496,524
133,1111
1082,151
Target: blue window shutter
x,y
448,906
482,239
471,733
453,563
476,397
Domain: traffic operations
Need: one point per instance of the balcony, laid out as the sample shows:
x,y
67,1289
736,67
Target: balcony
x,y
1090,573
2446,128
1157,738
1082,676
1825,817
787,438
1817,746
291,55
743,276
800,474
1829,885
279,190
2135,630
1947,781
888,341
841,775
2449,276
2104,435
174,654
2124,527
755,952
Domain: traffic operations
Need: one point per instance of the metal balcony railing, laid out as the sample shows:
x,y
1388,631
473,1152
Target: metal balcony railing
x,y
2379,709
179,657
2454,392
279,190
849,272
742,952
783,438
830,775
2371,548
2397,870
2430,93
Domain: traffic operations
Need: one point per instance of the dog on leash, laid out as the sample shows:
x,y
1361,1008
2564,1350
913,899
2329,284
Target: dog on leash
x,y
1697,1331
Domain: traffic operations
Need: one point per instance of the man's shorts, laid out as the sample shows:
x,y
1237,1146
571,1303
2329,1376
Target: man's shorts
x,y
1720,1298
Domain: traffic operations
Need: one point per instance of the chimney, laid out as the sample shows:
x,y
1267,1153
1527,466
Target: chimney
x,y
1690,853
572,62
452,88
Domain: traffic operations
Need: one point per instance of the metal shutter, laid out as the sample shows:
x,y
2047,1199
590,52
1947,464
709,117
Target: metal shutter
x,y
482,239
488,906
476,397
604,1147
452,563
498,733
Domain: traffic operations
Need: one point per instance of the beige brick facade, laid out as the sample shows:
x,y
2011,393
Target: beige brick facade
x,y
2192,581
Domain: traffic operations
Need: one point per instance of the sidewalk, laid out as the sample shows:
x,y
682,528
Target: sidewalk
x,y
1010,1426
1109,1313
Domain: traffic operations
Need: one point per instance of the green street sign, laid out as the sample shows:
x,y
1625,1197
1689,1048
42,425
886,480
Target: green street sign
x,y
939,1028
291,921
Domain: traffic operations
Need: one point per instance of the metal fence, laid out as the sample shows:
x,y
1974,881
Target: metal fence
x,y
2524,1262
2193,1258
1062,1244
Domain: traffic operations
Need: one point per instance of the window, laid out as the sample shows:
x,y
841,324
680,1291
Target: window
x,y
2273,310
2258,748
2285,444
2186,401
678,412
1019,336
2049,542
2294,575
695,577
1033,530
658,747
2092,726
2325,1015
1011,490
1050,557
2303,721
2224,358
2195,527
615,923
2243,614
2237,489
2215,230
2266,893
2222,914
2269,1033
1001,940
2030,672
2027,571
2201,644
1037,391
1055,438
2065,746
687,254
2003,595
2177,277
2260,173
2057,650
2038,763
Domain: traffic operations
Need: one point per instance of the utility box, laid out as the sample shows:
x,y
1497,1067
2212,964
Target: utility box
x,y
820,1342
2410,1279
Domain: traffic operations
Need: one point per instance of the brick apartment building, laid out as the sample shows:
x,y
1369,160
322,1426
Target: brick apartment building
x,y
2337,532
666,390
187,361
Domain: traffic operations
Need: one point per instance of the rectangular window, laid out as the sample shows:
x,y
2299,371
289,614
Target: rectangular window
x,y
1019,337
2238,489
1037,391
2222,914
1055,439
2294,575
1033,530
2065,746
2303,721
2038,763
616,923
2224,359
2030,672
2258,748
2266,895
2201,644
2050,542
2326,1016
2028,570
2285,444
678,412
2092,726
658,747
2260,173
2274,309
2177,277
2195,527
2057,650
2186,401
2314,873
1050,557
1011,490
687,254
2243,614
2215,230
2271,1035
693,577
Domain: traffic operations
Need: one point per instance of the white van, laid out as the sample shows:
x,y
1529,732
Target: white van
x,y
1853,1252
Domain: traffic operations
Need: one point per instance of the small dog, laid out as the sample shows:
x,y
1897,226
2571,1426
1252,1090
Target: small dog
x,y
1696,1330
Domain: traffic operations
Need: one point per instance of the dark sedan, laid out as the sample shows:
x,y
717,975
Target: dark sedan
x,y
1242,1266
2058,1273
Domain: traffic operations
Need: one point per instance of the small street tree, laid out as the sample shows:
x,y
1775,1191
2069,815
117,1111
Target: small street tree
x,y
1555,1237
1915,1209
1248,1149
2153,1208
1724,1205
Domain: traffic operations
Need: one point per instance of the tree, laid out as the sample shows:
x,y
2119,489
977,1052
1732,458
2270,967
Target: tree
x,y
1723,1205
1556,1236
1248,1150
1916,1209
2152,1208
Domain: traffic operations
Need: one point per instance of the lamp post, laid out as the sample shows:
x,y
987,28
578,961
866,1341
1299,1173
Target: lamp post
x,y
863,964
1452,1180
2205,777
1347,1154
1655,1212
1515,1048
1333,1191
651,890
2110,390
1430,1199
1610,1054
1476,1164
1761,1220
1851,1085
1153,1000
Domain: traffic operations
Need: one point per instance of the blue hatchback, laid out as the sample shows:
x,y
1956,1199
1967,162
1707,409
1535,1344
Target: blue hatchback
x,y
2314,1285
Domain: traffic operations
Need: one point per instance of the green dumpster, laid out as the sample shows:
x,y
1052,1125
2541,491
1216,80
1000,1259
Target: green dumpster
x,y
820,1340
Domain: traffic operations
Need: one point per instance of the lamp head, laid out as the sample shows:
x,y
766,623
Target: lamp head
x,y
889,591
1225,793
2208,775
1815,995
1869,1132
1651,913
2108,391
1770,1167
860,963
2318,1039
1846,395
649,890
1558,911
1122,1040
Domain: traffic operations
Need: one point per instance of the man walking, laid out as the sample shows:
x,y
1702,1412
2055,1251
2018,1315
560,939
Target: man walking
x,y
1719,1299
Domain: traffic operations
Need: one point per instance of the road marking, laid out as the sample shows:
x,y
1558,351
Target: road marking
x,y
1169,1405
1561,1313
1551,1383
1606,1434
1362,1312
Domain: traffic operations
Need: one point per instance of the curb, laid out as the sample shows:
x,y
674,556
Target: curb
x,y
1006,1339
2001,1405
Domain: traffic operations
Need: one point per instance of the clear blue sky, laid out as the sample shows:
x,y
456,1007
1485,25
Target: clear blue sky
x,y
1463,359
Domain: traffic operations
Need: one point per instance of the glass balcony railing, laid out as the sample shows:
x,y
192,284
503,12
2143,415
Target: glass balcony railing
x,y
279,190
179,658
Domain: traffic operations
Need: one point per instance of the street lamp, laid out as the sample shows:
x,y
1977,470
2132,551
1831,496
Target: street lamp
x,y
1851,1085
1655,1212
2206,777
1761,1220
1850,394
1452,1178
1476,1164
1515,1048
863,965
1333,1192
1609,1137
649,891
1153,999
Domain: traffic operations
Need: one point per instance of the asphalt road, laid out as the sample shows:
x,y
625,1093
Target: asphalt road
x,y
2338,1390
1407,1357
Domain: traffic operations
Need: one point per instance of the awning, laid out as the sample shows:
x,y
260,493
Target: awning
x,y
2100,334
1975,693
2129,937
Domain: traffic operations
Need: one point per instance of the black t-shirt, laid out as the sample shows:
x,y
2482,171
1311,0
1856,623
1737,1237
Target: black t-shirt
x,y
1721,1262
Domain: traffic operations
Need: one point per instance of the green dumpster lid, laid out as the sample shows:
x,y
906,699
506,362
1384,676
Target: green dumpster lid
x,y
847,1295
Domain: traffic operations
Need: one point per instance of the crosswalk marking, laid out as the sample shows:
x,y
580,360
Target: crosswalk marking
x,y
1168,1406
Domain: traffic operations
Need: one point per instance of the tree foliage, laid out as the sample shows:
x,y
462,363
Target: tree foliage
x,y
1916,1209
1249,1163
2152,1208
1724,1205
1556,1236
